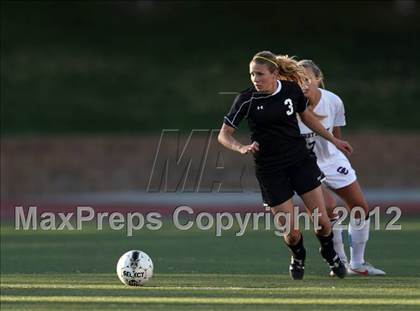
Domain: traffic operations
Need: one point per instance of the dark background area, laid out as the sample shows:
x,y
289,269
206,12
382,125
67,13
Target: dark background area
x,y
88,86
137,67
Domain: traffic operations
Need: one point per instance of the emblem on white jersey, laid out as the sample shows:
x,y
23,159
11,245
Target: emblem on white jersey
x,y
342,170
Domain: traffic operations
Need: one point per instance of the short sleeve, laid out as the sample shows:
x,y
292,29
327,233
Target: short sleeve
x,y
237,112
340,115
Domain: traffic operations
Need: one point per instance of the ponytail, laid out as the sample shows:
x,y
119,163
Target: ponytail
x,y
289,69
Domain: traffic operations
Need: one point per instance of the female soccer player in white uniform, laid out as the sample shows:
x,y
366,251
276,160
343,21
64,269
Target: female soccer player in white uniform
x,y
340,176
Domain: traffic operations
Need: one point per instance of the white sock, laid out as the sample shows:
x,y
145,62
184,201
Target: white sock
x,y
338,240
357,240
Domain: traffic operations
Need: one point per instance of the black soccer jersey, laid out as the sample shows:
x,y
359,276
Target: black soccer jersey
x,y
273,123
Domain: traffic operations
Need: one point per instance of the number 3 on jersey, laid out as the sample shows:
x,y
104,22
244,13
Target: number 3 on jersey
x,y
289,104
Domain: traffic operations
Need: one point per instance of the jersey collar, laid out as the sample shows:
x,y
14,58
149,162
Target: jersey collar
x,y
278,88
272,94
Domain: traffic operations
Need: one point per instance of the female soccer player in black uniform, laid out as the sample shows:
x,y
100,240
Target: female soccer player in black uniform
x,y
283,163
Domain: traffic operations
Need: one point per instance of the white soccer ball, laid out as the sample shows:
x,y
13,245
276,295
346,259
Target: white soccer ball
x,y
134,268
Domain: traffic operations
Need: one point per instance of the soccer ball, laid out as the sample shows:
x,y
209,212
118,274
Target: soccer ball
x,y
134,268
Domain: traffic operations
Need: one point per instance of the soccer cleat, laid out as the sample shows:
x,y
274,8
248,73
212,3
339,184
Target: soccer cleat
x,y
296,269
346,264
365,269
338,268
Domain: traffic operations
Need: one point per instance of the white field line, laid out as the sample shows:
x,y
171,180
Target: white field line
x,y
407,291
211,300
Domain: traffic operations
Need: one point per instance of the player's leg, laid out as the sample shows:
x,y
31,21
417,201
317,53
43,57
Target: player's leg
x,y
330,205
314,200
277,192
330,202
305,178
293,239
358,229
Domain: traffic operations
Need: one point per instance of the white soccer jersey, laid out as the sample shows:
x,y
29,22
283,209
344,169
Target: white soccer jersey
x,y
331,107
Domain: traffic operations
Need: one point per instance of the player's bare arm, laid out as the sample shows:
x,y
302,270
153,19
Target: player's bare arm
x,y
315,125
337,132
226,139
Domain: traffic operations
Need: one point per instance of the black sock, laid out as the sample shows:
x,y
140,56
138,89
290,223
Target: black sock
x,y
298,250
327,248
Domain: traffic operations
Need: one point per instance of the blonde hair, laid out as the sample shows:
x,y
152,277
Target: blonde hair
x,y
310,64
288,68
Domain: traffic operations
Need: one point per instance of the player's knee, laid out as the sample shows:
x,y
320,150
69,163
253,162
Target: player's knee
x,y
360,210
293,237
330,212
324,228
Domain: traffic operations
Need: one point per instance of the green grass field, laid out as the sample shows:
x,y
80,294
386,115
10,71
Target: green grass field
x,y
195,270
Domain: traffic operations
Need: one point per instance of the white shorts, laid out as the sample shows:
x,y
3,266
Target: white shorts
x,y
339,174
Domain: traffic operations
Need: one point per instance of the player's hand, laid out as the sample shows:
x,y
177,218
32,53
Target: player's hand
x,y
253,148
343,146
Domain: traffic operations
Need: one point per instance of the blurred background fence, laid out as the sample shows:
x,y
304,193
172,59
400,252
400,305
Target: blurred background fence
x,y
88,86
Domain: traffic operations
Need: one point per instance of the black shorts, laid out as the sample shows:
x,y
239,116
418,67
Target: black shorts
x,y
279,184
